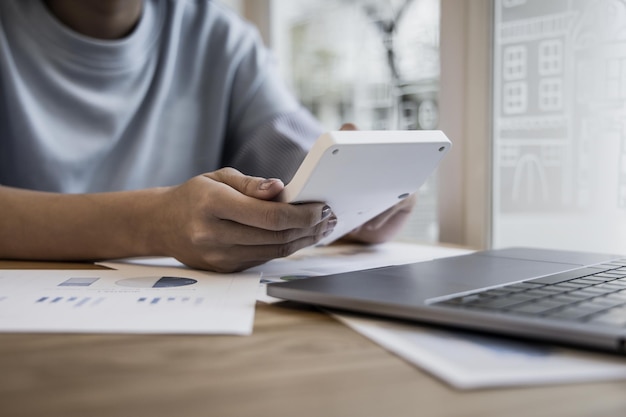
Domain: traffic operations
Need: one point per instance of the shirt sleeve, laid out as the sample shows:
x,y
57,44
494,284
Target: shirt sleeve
x,y
269,132
277,147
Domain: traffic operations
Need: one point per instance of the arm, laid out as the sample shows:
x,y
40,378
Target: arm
x,y
219,221
271,134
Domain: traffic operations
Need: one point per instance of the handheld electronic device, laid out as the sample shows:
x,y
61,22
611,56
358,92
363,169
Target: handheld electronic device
x,y
360,174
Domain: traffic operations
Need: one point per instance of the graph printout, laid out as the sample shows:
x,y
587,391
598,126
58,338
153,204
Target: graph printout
x,y
130,299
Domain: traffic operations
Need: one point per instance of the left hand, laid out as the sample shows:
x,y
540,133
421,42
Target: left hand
x,y
387,224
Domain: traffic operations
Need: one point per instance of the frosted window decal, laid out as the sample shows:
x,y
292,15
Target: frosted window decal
x,y
559,124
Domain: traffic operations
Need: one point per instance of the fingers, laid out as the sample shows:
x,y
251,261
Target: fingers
x,y
386,225
232,233
348,126
240,257
271,215
241,247
257,187
222,221
239,201
381,234
403,207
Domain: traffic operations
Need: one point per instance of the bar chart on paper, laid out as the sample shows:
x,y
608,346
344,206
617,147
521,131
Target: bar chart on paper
x,y
78,282
156,282
132,299
70,301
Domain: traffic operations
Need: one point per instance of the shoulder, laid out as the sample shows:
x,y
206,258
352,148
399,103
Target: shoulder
x,y
217,38
214,20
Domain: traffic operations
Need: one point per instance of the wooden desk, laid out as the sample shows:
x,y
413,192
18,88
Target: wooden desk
x,y
299,362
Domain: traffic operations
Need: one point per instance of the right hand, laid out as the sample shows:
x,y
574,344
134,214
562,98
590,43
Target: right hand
x,y
225,221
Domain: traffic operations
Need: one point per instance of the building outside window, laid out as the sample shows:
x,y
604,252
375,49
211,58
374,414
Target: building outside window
x,y
374,63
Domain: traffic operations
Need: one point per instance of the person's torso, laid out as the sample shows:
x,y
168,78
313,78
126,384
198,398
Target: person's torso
x,y
82,115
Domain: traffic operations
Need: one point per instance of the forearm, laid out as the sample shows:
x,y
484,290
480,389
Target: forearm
x,y
50,226
221,221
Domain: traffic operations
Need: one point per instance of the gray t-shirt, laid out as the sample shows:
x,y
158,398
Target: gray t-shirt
x,y
190,90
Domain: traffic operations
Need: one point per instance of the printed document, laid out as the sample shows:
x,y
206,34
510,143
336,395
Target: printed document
x,y
468,360
128,299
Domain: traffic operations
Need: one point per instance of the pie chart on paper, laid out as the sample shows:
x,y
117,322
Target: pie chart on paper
x,y
156,282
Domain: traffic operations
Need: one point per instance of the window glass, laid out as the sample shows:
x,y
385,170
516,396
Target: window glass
x,y
374,63
559,124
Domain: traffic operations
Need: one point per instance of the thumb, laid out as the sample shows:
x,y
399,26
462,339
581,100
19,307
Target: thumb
x,y
348,126
257,187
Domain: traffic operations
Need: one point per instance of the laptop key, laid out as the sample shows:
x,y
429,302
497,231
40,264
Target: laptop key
x,y
503,302
599,290
570,285
576,312
583,294
565,276
566,299
598,279
614,274
605,275
609,286
608,302
592,306
612,264
616,317
621,295
542,292
537,307
583,281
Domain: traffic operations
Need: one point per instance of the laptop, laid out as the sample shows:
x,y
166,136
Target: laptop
x,y
572,298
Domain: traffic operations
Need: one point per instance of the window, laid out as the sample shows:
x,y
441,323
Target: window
x,y
550,57
374,63
515,97
514,63
559,124
550,94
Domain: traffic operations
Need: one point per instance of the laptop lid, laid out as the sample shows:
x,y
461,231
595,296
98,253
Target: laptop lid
x,y
414,292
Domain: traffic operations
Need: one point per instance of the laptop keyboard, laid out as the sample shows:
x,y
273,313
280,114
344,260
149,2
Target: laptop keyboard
x,y
594,294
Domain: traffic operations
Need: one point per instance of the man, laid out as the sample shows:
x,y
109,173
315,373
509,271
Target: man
x,y
116,118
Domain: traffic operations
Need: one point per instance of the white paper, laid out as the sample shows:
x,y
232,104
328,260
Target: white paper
x,y
471,361
132,299
333,259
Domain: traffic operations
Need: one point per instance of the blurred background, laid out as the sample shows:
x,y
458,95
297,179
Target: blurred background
x,y
531,92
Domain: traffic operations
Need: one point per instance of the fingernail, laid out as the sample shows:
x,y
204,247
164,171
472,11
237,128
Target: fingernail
x,y
267,184
326,211
330,226
332,221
